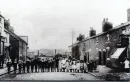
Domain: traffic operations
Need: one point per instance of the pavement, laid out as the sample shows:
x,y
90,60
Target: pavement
x,y
105,73
4,71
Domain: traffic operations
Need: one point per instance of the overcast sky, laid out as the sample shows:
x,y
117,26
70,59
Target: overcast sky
x,y
48,23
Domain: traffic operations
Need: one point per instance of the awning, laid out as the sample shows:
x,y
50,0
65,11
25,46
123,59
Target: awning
x,y
118,53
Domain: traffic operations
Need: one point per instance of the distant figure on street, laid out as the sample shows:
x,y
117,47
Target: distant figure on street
x,y
57,64
63,64
74,66
15,66
9,65
35,64
51,65
67,65
32,65
70,65
39,64
28,65
46,65
85,68
82,66
78,66
91,66
20,66
59,69
24,66
88,64
127,63
54,65
42,65
95,65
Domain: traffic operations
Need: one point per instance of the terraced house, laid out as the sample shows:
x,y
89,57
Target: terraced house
x,y
109,48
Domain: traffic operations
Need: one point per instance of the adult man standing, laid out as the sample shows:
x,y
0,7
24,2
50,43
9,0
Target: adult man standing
x,y
32,65
15,66
9,65
28,65
42,65
46,65
20,65
36,64
57,63
24,65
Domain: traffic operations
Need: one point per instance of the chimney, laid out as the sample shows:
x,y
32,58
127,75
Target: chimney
x,y
9,21
128,15
106,26
92,32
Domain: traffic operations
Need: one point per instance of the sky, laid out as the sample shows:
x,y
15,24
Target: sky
x,y
49,23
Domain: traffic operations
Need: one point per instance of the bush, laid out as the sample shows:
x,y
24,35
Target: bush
x,y
112,77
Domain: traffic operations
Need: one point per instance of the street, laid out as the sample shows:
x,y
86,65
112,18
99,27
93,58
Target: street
x,y
50,76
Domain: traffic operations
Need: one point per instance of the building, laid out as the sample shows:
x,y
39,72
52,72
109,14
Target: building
x,y
18,47
109,48
4,40
10,43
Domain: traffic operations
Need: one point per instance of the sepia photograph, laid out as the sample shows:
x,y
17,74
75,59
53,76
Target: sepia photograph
x,y
64,40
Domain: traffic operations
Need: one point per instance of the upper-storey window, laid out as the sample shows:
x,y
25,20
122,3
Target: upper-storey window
x,y
84,44
108,37
0,20
96,40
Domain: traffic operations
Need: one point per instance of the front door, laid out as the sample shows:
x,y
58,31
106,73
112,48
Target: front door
x,y
100,57
104,58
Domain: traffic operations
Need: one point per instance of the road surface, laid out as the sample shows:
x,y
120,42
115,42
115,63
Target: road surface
x,y
49,76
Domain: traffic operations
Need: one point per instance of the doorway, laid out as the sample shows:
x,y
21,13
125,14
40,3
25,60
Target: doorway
x,y
104,57
100,58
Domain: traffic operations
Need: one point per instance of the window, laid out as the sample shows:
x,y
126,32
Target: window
x,y
84,44
89,43
5,40
108,37
0,20
96,40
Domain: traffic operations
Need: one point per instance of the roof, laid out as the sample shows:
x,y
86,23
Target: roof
x,y
16,36
115,28
2,16
13,34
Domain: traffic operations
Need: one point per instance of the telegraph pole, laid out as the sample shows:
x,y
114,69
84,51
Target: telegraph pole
x,y
72,43
38,53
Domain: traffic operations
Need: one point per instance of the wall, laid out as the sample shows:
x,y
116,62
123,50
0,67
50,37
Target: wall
x,y
14,48
2,26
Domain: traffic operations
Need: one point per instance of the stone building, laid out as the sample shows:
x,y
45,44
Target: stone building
x,y
107,48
